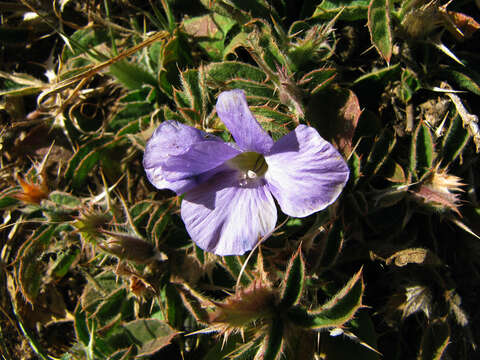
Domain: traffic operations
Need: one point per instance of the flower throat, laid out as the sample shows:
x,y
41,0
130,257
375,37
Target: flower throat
x,y
252,165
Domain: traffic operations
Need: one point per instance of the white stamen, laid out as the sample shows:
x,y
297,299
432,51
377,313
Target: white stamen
x,y
251,174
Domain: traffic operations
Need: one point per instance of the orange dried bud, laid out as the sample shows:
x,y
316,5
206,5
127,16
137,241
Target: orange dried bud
x,y
32,193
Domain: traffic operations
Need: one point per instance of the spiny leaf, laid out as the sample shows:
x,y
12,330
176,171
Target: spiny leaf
x,y
422,151
454,140
340,309
30,269
271,348
465,79
233,264
246,351
80,324
435,340
381,151
332,245
294,281
379,27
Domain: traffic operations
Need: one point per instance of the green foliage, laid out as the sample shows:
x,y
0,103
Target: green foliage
x,y
379,26
97,263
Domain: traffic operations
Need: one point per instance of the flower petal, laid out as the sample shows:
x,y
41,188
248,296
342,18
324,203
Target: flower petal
x,y
305,172
227,219
199,158
232,108
170,138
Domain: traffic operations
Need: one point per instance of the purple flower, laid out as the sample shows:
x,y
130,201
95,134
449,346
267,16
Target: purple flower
x,y
229,187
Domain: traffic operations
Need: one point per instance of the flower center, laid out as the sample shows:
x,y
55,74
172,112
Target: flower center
x,y
252,165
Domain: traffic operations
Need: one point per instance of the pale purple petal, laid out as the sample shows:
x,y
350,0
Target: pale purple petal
x,y
305,172
171,138
199,158
232,108
227,219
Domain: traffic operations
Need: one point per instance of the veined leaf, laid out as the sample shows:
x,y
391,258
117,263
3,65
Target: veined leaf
x,y
150,335
379,27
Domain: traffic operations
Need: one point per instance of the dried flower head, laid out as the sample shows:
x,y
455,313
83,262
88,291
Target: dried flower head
x,y
131,248
440,190
245,307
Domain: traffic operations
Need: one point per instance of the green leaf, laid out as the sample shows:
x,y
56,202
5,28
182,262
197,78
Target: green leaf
x,y
234,264
84,39
333,244
193,303
150,335
210,33
380,77
454,140
80,325
379,27
464,78
380,152
131,111
30,268
132,76
223,72
422,151
245,351
271,348
6,199
435,340
64,261
351,10
354,163
336,312
65,199
318,79
111,306
97,289
175,310
410,85
356,343
89,155
294,281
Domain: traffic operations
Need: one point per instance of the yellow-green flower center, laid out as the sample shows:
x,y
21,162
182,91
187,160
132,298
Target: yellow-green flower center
x,y
250,163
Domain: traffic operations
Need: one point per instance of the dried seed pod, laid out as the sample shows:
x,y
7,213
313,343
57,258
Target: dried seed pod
x,y
131,248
